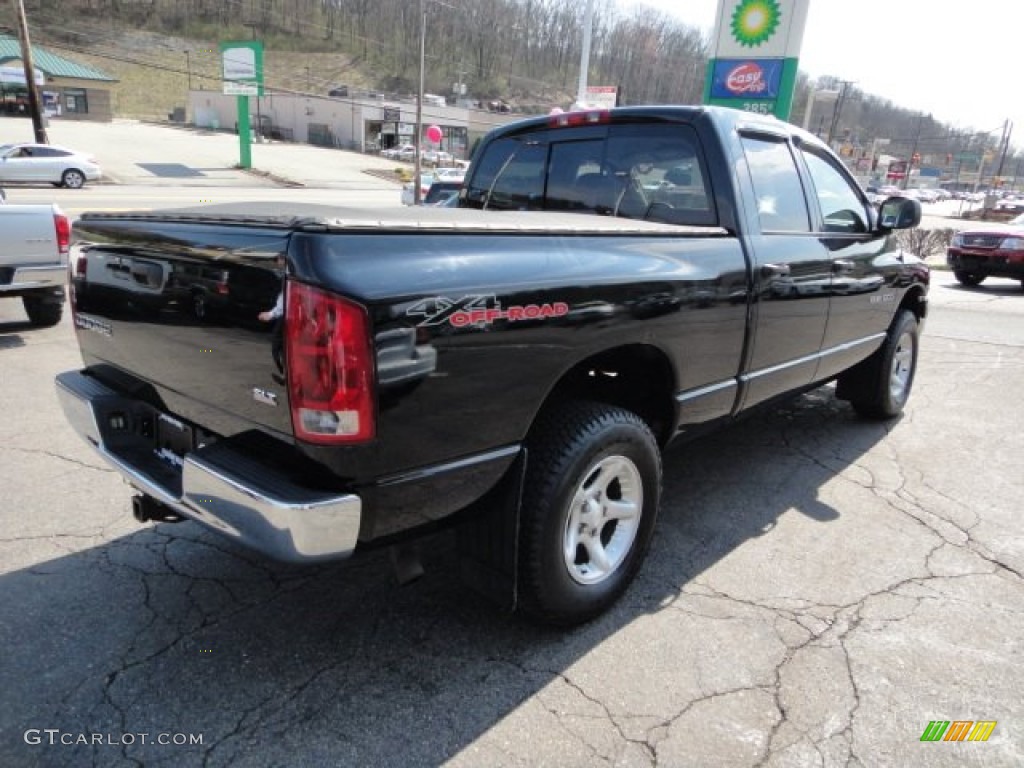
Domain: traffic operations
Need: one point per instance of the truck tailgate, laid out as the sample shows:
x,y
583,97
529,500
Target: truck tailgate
x,y
33,254
172,310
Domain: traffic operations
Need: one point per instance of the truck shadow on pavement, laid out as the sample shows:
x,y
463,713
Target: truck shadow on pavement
x,y
170,630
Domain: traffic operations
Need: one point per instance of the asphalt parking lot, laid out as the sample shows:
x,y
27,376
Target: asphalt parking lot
x,y
145,154
819,590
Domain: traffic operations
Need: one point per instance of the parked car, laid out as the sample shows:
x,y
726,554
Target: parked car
x,y
512,367
921,193
34,259
974,255
1010,205
437,157
406,153
394,152
441,192
434,186
426,179
450,174
59,166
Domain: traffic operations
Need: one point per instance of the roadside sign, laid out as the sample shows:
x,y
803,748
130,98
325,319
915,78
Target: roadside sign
x,y
242,66
602,96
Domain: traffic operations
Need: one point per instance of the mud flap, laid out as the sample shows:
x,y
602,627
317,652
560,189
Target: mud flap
x,y
488,540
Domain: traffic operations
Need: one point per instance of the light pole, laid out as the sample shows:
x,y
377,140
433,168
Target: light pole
x,y
588,23
417,195
417,192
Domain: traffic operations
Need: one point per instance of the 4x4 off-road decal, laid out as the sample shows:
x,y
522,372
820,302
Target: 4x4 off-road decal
x,y
480,310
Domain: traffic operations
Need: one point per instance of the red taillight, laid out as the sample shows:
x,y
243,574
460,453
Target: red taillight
x,y
330,367
589,117
62,224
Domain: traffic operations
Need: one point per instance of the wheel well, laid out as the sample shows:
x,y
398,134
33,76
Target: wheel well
x,y
914,300
638,378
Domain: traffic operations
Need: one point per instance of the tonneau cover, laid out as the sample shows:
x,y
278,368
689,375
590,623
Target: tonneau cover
x,y
310,216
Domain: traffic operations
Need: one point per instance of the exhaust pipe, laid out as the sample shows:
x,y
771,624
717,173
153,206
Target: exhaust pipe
x,y
146,509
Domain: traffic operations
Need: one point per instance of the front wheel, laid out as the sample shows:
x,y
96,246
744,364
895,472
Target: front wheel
x,y
968,278
879,387
590,500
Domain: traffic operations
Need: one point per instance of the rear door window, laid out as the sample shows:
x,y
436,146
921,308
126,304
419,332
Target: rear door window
x,y
652,172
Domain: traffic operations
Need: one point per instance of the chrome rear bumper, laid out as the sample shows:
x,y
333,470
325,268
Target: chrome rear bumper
x,y
29,277
215,485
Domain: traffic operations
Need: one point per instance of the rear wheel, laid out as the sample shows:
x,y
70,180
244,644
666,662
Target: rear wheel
x,y
73,178
589,505
879,387
199,308
43,312
968,278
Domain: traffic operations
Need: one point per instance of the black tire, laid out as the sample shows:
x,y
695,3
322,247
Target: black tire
x,y
607,460
73,178
43,312
879,387
968,278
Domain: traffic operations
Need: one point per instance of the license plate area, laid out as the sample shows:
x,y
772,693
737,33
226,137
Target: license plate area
x,y
173,439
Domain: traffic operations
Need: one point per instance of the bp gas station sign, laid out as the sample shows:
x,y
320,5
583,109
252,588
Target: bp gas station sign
x,y
755,54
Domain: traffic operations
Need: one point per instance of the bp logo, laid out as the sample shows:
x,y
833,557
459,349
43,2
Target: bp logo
x,y
755,21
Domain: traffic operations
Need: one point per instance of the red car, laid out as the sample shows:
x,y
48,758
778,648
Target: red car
x,y
976,254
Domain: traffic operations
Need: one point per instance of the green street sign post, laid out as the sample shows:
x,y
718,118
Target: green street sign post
x,y
755,54
242,65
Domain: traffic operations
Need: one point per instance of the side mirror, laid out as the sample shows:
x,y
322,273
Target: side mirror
x,y
899,213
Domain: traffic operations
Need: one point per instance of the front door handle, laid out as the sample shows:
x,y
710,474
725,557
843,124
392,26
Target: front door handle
x,y
843,266
775,270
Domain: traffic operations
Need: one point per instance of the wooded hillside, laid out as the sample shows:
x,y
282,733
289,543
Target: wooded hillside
x,y
526,52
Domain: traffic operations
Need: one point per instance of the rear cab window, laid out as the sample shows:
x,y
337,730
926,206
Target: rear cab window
x,y
645,171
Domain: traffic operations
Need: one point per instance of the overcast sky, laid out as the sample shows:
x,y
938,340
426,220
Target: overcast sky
x,y
957,61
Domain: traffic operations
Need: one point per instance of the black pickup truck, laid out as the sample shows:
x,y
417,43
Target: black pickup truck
x,y
610,283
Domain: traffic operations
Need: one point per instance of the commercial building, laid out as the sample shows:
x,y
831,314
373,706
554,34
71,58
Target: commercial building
x,y
68,90
363,123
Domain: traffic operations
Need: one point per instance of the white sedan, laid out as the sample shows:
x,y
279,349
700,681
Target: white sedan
x,y
59,166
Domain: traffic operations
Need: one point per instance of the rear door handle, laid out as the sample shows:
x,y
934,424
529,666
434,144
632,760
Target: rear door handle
x,y
774,270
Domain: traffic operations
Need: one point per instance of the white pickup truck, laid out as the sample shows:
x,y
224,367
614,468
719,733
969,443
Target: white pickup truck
x,y
34,241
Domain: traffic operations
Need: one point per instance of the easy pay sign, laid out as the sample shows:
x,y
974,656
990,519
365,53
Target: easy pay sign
x,y
754,55
242,65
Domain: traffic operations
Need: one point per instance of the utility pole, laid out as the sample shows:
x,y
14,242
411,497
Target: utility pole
x,y
838,110
30,74
913,151
417,174
1007,130
588,23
